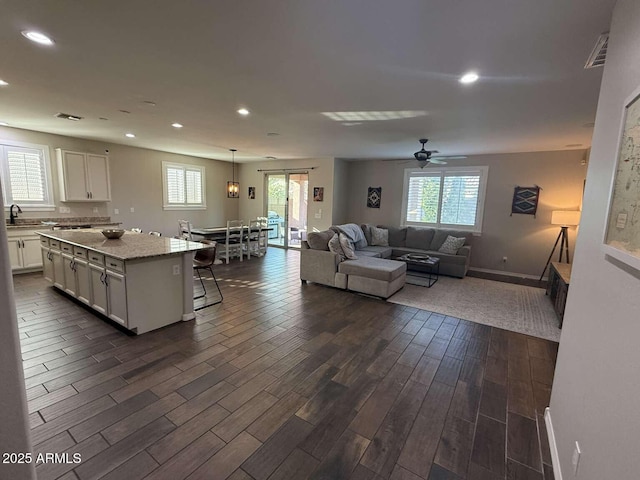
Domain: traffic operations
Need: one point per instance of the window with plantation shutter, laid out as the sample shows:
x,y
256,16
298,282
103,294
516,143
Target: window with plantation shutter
x,y
25,177
183,187
445,197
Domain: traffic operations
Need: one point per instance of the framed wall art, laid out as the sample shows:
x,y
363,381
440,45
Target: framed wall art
x,y
318,194
374,196
525,200
252,193
622,236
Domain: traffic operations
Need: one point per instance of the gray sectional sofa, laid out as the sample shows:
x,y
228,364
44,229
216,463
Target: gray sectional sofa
x,y
373,272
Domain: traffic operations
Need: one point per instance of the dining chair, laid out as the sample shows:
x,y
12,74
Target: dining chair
x,y
204,259
155,234
252,238
263,240
234,240
136,230
184,230
294,235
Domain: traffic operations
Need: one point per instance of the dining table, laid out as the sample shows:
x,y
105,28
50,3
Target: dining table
x,y
219,233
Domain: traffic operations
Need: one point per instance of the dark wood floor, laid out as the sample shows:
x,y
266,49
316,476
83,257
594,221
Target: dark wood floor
x,y
283,381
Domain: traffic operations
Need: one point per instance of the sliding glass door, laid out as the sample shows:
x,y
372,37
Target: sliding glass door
x,y
286,205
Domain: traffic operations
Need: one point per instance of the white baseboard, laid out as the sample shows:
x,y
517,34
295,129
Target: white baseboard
x,y
509,274
555,459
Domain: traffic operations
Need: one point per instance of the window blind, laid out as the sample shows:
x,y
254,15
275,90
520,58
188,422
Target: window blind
x,y
24,176
183,186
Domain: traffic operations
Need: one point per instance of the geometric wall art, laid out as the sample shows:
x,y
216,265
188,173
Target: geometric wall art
x,y
525,200
374,196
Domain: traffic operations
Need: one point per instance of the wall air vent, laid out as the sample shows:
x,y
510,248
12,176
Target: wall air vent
x,y
66,116
599,52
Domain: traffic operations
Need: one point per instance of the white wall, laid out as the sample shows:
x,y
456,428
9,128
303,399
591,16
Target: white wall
x,y
525,241
597,385
341,187
136,181
320,176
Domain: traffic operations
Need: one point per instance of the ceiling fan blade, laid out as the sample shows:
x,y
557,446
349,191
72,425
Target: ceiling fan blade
x,y
435,161
445,157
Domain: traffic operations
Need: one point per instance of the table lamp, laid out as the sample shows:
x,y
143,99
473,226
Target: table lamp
x,y
566,219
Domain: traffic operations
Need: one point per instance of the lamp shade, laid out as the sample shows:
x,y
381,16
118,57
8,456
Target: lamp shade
x,y
565,217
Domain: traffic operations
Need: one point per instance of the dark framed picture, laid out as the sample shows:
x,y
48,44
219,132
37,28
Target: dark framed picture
x,y
374,196
318,194
252,193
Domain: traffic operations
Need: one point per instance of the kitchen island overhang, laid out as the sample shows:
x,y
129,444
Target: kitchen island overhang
x,y
142,282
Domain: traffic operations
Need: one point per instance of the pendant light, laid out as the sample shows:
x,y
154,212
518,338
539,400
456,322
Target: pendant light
x,y
233,187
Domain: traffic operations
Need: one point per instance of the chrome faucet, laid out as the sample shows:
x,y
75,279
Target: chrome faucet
x,y
13,216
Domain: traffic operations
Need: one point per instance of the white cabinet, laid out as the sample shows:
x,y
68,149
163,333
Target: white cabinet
x,y
83,281
47,261
70,283
84,177
117,297
98,288
58,268
24,250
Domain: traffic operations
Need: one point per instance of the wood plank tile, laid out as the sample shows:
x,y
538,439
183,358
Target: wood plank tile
x,y
189,459
116,455
139,386
421,444
425,370
437,347
88,449
128,425
494,401
385,448
496,370
171,444
400,473
134,469
187,376
466,401
206,381
279,446
243,394
239,420
520,398
51,398
439,473
375,409
228,459
517,471
455,445
271,420
316,407
107,418
489,445
298,465
411,355
343,457
199,403
448,371
522,441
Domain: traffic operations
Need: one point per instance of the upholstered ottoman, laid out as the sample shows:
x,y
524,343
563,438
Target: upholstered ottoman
x,y
374,276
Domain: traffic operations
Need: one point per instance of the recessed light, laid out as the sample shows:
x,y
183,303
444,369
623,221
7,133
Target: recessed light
x,y
102,118
271,158
469,77
177,125
37,37
129,135
4,124
273,134
3,83
125,111
243,111
149,103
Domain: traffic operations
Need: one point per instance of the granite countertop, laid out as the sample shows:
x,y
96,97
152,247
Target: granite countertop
x,y
130,246
63,222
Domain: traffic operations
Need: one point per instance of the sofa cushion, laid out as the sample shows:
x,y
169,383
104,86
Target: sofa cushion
x,y
347,247
379,237
376,268
366,229
319,240
441,235
397,236
452,244
375,251
335,247
419,237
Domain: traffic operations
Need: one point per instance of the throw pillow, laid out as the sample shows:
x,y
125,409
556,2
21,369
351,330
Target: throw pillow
x,y
347,247
379,237
334,246
319,240
451,245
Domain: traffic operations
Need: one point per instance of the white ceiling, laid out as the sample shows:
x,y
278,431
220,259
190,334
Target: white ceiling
x,y
289,60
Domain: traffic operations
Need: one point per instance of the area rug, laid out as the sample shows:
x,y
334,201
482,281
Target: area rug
x,y
504,305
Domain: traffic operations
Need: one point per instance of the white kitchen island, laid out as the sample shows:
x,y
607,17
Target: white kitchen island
x,y
142,282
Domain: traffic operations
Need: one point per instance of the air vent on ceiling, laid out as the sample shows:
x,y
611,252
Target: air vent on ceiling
x,y
599,52
66,116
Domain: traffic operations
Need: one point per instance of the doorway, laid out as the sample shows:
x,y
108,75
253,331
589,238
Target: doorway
x,y
286,205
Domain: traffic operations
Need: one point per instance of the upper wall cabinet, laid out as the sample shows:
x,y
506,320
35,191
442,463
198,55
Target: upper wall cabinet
x,y
84,177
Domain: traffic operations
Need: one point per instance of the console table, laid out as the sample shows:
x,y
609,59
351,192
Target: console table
x,y
558,286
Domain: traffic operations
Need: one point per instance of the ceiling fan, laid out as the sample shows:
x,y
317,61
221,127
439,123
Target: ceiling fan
x,y
424,157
